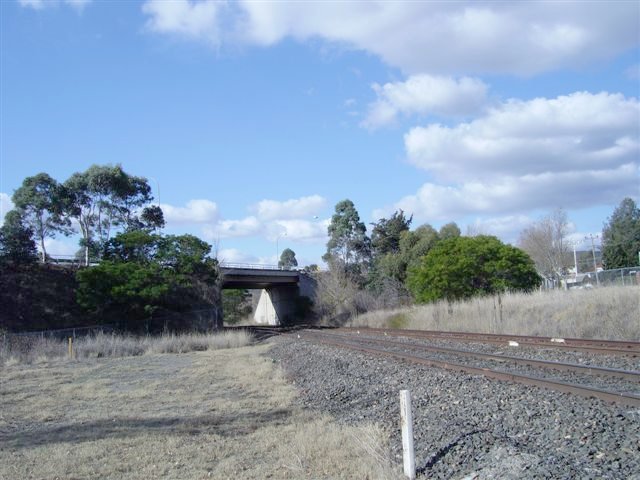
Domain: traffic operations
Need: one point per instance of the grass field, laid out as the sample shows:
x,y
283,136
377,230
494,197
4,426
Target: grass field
x,y
605,313
207,414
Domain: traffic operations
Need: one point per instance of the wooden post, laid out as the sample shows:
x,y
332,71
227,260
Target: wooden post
x,y
70,347
406,417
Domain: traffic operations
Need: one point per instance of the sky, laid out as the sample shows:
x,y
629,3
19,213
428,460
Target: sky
x,y
252,120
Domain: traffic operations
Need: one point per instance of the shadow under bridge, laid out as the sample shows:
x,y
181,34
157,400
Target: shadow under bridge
x,y
280,290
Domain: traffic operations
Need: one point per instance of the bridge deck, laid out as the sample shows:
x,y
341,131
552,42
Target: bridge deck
x,y
239,277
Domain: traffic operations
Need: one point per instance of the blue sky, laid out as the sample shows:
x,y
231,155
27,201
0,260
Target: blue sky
x,y
253,119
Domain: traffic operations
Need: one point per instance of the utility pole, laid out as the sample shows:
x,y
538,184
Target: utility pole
x,y
593,252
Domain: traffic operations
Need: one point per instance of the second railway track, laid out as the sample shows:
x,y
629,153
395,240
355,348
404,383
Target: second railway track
x,y
611,384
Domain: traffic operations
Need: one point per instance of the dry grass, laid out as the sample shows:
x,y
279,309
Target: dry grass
x,y
210,414
38,350
606,313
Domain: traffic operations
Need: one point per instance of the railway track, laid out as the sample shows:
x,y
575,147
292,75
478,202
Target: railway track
x,y
613,385
609,347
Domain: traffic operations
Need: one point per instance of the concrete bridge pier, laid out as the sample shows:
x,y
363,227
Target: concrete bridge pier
x,y
276,305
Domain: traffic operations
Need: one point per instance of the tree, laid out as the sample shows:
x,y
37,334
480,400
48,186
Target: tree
x,y
348,246
236,305
621,236
287,259
416,244
16,240
103,198
151,219
385,236
41,200
143,274
450,230
461,267
128,293
137,246
545,242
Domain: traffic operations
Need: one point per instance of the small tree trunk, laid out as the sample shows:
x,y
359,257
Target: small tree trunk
x,y
44,251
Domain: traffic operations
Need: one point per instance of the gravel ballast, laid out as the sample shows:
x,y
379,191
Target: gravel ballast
x,y
468,426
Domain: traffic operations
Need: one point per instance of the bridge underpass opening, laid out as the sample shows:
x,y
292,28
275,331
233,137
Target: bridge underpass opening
x,y
280,291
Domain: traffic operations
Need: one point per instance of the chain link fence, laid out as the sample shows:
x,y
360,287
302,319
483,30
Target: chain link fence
x,y
618,276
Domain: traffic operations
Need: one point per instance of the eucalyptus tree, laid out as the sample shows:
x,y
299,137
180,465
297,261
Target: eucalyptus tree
x,y
386,233
287,259
103,198
41,200
348,246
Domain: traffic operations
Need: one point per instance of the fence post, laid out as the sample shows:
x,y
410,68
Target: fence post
x,y
70,347
406,419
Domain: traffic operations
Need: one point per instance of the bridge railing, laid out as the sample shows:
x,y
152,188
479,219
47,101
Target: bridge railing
x,y
250,266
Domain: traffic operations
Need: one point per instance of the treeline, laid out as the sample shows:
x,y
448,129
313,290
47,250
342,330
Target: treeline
x,y
145,281
397,266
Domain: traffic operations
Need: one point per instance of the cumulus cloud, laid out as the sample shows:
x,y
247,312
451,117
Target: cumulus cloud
x,y
60,247
511,194
436,37
272,219
301,230
289,209
42,4
233,255
245,227
197,20
579,131
425,95
196,211
507,228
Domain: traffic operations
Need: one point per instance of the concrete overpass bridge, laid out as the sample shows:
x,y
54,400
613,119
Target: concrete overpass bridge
x,y
280,289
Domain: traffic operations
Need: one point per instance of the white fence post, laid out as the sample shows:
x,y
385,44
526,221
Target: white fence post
x,y
406,417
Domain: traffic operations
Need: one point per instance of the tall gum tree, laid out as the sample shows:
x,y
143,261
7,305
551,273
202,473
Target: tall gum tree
x,y
103,198
40,198
348,244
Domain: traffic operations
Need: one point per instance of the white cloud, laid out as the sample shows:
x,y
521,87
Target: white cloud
x,y
511,194
198,20
233,255
507,228
424,95
289,209
453,37
60,247
42,4
436,37
196,211
300,230
245,227
5,205
582,131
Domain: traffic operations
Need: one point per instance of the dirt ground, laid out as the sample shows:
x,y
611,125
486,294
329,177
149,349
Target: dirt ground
x,y
215,414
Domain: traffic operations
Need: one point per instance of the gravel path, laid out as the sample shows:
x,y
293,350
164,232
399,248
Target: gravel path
x,y
469,426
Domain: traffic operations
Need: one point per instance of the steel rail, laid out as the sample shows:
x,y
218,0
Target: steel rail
x,y
610,347
589,392
562,366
